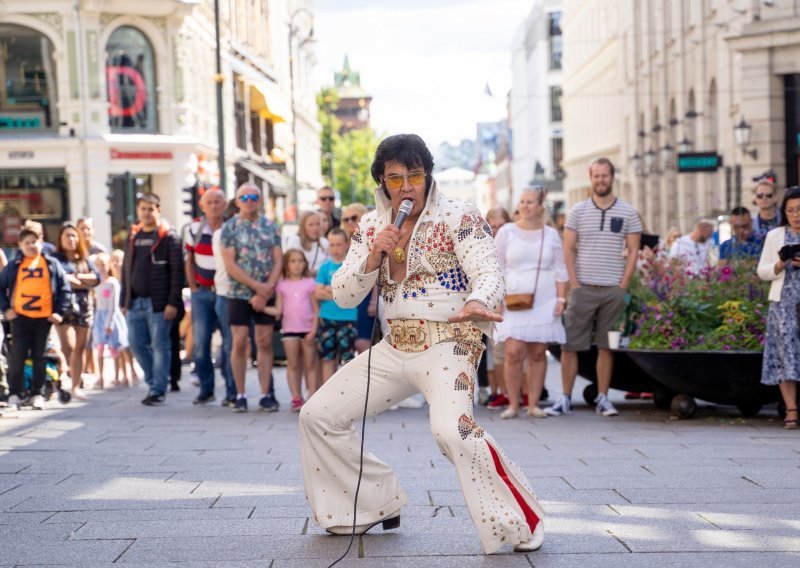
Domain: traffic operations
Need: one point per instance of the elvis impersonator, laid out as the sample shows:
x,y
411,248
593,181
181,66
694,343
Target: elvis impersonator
x,y
440,282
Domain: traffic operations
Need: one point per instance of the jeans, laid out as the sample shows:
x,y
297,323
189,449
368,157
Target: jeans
x,y
204,321
149,338
221,309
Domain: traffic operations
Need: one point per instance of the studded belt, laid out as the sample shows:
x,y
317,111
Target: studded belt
x,y
416,335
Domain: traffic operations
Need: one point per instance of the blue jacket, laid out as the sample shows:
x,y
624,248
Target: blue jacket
x,y
59,284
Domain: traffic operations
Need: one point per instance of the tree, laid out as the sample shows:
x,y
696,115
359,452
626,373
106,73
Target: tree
x,y
353,153
346,158
327,102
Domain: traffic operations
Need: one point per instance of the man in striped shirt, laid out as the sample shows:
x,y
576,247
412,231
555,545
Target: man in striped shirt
x,y
200,269
597,232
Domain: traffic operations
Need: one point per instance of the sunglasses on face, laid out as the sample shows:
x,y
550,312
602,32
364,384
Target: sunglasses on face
x,y
396,181
764,195
352,219
327,198
249,197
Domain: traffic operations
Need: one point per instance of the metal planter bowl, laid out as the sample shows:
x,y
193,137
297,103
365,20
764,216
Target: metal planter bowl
x,y
722,377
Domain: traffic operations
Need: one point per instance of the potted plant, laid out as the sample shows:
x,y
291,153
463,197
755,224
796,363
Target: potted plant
x,y
701,335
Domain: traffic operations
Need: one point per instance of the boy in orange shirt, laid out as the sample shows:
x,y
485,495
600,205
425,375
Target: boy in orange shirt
x,y
34,294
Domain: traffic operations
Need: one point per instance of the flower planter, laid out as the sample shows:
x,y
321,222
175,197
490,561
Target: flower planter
x,y
722,377
627,376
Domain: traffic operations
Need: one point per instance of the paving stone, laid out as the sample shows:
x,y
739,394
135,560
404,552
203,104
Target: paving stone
x,y
160,514
85,553
105,530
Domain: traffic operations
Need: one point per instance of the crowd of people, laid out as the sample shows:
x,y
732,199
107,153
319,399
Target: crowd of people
x,y
563,287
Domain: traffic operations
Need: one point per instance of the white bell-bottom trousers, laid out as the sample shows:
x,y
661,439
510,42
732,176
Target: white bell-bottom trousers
x,y
500,501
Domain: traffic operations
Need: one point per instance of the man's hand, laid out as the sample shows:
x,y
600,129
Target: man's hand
x,y
170,313
385,242
560,306
475,311
53,318
10,314
265,290
258,303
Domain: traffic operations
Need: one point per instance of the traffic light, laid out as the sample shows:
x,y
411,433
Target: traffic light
x,y
116,196
191,200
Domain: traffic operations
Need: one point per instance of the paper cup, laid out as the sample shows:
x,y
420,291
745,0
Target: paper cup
x,y
614,338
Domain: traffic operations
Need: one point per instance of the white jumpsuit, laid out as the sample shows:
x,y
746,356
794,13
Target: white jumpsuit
x,y
451,260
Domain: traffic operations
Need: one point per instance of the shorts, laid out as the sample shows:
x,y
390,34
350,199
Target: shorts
x,y
240,312
293,334
85,317
337,340
598,305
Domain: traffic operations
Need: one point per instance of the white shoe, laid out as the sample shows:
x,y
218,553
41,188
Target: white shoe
x,y
389,523
563,406
604,406
536,541
13,403
536,412
38,402
509,413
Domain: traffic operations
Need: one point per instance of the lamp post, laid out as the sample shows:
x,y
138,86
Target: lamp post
x,y
743,131
219,78
293,31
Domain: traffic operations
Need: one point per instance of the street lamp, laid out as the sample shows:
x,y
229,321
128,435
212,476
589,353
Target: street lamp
x,y
667,153
650,161
636,162
685,146
293,33
742,132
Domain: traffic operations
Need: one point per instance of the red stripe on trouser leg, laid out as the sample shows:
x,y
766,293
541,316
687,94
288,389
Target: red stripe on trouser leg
x,y
530,516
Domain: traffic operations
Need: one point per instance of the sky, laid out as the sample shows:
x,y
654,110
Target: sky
x,y
426,63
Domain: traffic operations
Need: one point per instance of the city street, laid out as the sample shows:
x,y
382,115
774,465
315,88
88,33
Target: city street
x,y
110,481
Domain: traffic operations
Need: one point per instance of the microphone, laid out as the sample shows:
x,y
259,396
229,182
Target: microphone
x,y
402,214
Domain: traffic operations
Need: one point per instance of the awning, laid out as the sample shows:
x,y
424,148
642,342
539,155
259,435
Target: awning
x,y
277,182
268,107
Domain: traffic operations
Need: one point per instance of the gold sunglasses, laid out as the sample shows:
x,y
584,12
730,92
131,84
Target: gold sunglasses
x,y
395,181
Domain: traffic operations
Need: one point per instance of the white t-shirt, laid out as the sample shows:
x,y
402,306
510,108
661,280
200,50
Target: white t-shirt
x,y
222,281
694,255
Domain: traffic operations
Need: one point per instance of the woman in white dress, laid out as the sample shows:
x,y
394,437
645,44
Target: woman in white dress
x,y
310,240
532,258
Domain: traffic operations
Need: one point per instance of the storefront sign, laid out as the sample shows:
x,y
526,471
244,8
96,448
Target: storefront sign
x,y
692,162
20,155
21,120
121,155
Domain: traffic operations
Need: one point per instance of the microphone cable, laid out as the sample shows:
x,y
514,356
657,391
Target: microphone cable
x,y
403,212
363,428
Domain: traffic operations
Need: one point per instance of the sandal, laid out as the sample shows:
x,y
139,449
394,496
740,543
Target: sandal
x,y
790,424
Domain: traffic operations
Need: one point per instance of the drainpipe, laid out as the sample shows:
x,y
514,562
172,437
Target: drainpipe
x,y
82,87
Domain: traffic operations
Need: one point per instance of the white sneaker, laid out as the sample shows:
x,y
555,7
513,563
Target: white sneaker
x,y
38,402
536,541
563,406
13,403
604,406
536,412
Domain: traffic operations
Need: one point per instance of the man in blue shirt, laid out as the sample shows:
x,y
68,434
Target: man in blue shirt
x,y
744,244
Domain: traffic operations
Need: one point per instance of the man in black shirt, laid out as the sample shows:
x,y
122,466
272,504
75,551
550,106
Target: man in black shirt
x,y
153,278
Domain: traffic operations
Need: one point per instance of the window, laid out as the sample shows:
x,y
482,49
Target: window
x,y
555,104
131,78
558,157
556,40
40,195
27,80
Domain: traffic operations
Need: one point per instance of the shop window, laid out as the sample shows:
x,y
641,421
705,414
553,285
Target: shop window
x,y
38,195
27,81
131,80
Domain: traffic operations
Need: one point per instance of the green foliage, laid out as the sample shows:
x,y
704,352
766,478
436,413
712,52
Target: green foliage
x,y
346,158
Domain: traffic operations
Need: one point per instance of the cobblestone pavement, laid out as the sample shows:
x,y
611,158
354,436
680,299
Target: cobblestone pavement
x,y
110,481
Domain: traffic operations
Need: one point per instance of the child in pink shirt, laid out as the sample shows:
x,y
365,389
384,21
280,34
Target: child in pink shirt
x,y
298,309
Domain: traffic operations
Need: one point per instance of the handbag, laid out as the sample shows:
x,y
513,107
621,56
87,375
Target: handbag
x,y
519,302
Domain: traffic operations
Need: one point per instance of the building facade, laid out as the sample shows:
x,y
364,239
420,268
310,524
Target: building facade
x,y
352,109
535,112
118,95
647,81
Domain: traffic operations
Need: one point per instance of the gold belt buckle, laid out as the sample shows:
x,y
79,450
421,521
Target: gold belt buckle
x,y
409,335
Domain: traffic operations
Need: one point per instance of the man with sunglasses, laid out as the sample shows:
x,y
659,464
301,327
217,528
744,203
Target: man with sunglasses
x,y
326,203
252,254
768,216
153,281
440,281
